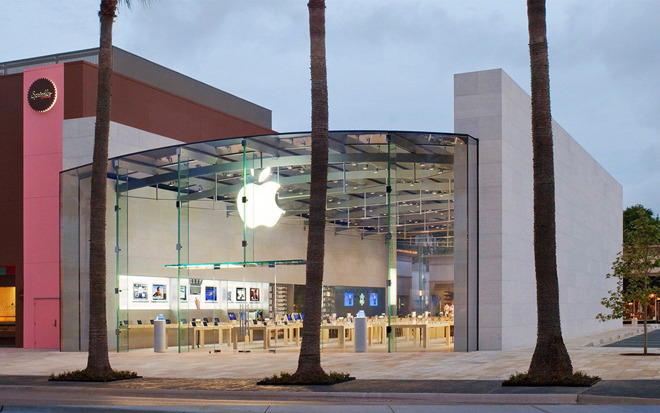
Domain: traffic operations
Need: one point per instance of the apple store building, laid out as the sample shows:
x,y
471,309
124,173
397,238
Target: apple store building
x,y
208,234
429,235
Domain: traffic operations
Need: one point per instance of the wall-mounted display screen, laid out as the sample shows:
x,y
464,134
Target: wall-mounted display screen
x,y
230,296
254,294
195,289
348,299
158,292
240,294
140,292
373,299
211,294
183,293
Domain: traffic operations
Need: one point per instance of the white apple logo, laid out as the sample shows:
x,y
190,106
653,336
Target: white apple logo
x,y
260,208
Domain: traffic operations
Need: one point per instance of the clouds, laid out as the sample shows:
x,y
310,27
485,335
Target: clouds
x,y
391,62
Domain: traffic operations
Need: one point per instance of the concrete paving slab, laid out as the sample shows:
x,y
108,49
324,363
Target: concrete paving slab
x,y
197,379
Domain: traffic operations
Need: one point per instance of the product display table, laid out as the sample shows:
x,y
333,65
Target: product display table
x,y
199,333
142,335
342,330
270,331
435,327
289,332
419,332
376,331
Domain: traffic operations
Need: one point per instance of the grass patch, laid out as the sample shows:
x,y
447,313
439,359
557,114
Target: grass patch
x,y
85,375
323,379
577,379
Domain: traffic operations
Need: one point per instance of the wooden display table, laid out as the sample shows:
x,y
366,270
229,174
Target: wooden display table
x,y
198,335
419,332
342,330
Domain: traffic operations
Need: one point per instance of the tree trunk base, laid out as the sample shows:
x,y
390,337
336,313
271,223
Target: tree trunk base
x,y
550,361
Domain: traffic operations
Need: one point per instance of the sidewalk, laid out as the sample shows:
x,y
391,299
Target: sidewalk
x,y
428,378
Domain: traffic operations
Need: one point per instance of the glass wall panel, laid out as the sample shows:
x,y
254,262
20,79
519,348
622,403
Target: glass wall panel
x,y
123,291
70,259
196,242
466,245
180,295
394,300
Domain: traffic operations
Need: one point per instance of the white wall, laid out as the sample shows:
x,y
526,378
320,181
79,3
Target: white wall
x,y
215,236
78,141
441,268
490,106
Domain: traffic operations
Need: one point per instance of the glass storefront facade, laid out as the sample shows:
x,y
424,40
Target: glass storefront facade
x,y
211,238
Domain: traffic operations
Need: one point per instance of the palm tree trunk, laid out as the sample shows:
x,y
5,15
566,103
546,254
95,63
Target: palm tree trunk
x,y
98,359
309,360
550,359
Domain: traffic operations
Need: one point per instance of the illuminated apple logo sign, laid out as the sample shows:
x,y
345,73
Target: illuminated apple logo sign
x,y
260,207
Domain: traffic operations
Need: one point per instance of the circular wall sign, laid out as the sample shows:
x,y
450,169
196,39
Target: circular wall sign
x,y
42,95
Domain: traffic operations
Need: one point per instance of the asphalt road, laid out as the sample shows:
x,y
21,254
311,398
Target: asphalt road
x,y
638,341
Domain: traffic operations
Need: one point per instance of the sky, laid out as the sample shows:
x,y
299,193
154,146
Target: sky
x,y
391,62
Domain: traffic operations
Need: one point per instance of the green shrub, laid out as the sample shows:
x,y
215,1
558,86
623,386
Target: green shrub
x,y
577,379
86,375
324,379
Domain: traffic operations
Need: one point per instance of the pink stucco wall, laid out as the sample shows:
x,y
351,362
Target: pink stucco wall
x,y
42,163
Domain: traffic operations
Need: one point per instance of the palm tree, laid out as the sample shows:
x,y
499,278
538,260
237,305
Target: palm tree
x,y
309,360
97,360
550,359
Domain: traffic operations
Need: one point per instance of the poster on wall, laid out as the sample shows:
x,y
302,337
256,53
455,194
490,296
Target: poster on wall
x,y
254,294
211,294
240,294
140,292
348,299
373,299
183,293
158,292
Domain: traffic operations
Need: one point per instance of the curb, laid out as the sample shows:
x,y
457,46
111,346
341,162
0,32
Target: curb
x,y
324,397
615,400
357,398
